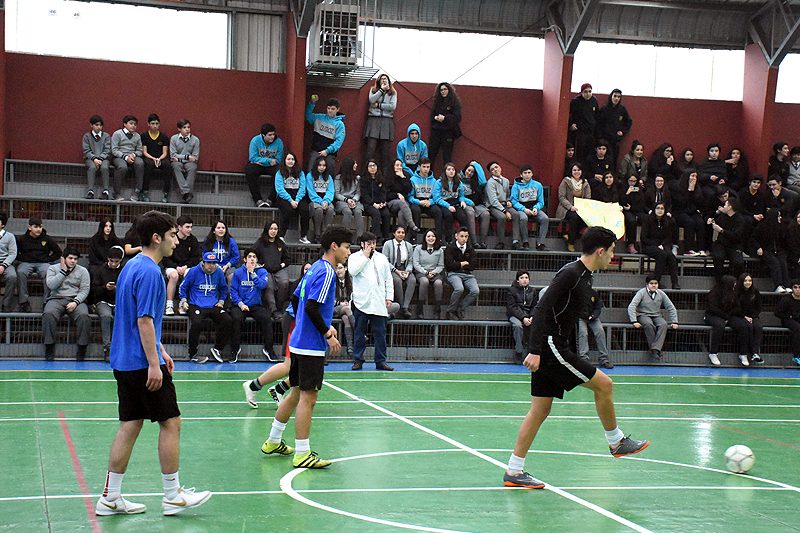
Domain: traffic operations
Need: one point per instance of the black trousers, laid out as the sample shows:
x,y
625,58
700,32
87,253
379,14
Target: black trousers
x,y
739,325
262,318
434,211
440,140
722,252
253,173
381,221
164,172
694,237
289,216
664,261
794,328
222,326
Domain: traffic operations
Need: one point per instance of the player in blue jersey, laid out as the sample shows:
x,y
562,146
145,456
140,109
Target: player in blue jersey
x,y
313,335
143,371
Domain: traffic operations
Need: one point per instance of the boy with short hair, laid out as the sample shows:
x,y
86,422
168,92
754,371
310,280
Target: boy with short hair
x,y
265,156
126,148
96,151
185,150
187,254
527,197
411,149
155,147
36,250
329,133
69,284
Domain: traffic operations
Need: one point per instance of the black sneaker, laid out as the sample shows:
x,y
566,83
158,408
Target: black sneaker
x,y
187,198
606,364
90,195
523,479
526,245
105,195
757,359
541,247
25,307
628,446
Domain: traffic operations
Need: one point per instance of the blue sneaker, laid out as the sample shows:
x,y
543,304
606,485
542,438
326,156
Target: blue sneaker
x,y
523,479
796,360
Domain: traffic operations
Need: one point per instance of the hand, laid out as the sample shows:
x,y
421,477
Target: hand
x,y
620,134
430,275
192,158
324,153
225,267
508,215
452,209
314,98
324,206
181,270
532,361
572,209
760,251
749,319
2,269
294,204
716,227
219,304
168,361
388,303
244,307
660,246
637,325
63,263
111,286
130,158
425,203
184,305
154,378
574,127
674,326
463,205
374,104
670,159
534,212
384,84
759,217
351,203
97,162
376,206
713,177
464,264
333,343
527,321
71,307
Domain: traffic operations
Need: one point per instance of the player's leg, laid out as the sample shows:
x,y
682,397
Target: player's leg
x,y
308,377
275,443
176,499
111,501
515,475
274,373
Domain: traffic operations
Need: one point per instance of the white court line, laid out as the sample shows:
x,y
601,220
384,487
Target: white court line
x,y
492,460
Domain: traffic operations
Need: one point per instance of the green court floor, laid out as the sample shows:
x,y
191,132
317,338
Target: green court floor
x,y
413,451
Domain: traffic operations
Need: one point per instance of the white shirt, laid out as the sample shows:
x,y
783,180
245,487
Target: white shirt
x,y
372,282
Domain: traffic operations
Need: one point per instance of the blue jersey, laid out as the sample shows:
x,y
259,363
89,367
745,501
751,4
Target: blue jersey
x,y
140,292
318,284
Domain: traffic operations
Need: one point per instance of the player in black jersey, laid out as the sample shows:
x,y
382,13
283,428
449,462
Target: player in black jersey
x,y
554,365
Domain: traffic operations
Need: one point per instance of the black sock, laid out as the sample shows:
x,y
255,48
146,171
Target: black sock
x,y
282,387
255,385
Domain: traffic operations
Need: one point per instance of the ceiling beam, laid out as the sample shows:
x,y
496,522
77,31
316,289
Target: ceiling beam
x,y
570,19
775,29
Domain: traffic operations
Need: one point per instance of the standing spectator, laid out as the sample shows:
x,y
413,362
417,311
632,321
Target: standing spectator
x,y
379,129
126,149
104,294
770,245
36,251
155,150
520,300
583,110
635,164
329,133
273,254
372,300
644,312
498,200
633,210
96,146
248,282
185,152
688,202
374,199
657,232
397,191
342,310
68,284
445,122
347,193
264,155
101,242
428,261
598,164
448,194
421,196
722,309
411,149
473,178
459,262
793,179
399,253
226,250
8,253
788,310
187,253
320,191
203,293
527,198
290,188
738,169
613,123
571,187
729,226
589,319
779,161
750,305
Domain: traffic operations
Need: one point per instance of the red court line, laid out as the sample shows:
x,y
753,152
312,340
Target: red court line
x,y
76,466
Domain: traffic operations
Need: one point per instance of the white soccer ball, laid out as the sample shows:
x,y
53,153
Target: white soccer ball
x,y
739,459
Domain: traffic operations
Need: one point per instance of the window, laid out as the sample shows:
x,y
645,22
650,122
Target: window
x,y
788,80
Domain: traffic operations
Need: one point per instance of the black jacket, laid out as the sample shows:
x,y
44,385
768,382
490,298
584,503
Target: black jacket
x,y
657,232
453,258
752,204
612,119
372,192
100,277
43,249
732,231
272,254
788,308
99,247
750,302
520,301
722,305
188,252
583,113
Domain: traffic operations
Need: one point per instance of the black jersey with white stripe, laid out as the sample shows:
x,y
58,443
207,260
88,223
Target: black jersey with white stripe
x,y
557,312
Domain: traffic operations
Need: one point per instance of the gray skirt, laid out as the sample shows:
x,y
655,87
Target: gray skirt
x,y
379,128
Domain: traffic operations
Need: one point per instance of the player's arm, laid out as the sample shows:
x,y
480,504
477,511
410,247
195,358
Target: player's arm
x,y
558,289
329,332
147,334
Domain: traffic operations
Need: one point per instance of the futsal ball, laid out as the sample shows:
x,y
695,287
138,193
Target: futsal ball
x,y
739,459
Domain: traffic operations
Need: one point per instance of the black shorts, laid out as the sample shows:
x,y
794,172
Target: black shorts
x,y
306,371
138,403
560,369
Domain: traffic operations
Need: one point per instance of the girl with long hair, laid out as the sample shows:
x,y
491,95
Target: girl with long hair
x,y
347,195
379,128
291,199
273,254
445,123
220,241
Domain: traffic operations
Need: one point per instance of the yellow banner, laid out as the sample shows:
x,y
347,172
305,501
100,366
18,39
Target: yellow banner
x,y
604,214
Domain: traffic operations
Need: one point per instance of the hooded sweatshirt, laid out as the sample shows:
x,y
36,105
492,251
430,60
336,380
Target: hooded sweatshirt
x,y
410,153
421,188
446,196
247,287
290,188
203,289
473,191
265,154
42,249
320,188
527,195
613,118
328,132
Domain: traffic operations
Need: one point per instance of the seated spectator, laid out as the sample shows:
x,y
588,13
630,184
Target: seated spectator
x,y
688,203
320,191
753,205
421,196
658,192
341,308
274,256
722,309
36,251
399,253
185,152
101,242
428,261
613,123
473,179
634,210
598,164
644,312
226,250
96,153
788,310
750,305
203,293
527,198
738,169
662,162
379,127
398,187
264,155
249,281
634,164
684,163
571,187
729,225
609,192
8,254
657,232
448,194
187,254
347,194
155,150
68,284
793,179
374,195
769,242
104,293
459,262
779,161
781,198
126,149
412,149
498,200
292,202
792,247
589,319
520,301
711,173
131,243
329,133
569,158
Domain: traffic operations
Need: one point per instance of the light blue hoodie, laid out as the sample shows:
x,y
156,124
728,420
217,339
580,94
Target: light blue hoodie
x,y
446,198
286,187
319,189
410,153
265,154
329,132
527,195
421,189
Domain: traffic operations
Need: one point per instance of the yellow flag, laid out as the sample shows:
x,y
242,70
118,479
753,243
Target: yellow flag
x,y
596,213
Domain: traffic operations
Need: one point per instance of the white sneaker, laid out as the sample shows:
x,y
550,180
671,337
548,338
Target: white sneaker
x,y
181,311
714,359
780,289
187,499
304,240
275,395
249,395
743,360
170,310
118,505
216,355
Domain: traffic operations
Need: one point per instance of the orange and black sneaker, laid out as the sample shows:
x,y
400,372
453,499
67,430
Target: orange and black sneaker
x,y
523,479
628,446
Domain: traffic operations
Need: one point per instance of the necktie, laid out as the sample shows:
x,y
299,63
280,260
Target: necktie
x,y
129,135
184,139
398,261
96,137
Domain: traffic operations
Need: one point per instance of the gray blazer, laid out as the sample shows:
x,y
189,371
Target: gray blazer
x,y
390,249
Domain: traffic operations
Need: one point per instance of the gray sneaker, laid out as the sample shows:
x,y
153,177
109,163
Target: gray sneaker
x,y
628,446
523,479
199,359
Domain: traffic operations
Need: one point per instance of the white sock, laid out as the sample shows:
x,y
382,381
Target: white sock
x,y
171,485
516,464
614,436
301,446
113,488
276,432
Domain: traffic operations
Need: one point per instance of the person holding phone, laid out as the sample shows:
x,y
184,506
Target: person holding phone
x,y
104,293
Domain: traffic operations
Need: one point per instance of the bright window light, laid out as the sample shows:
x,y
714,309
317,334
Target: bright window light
x,y
117,32
789,80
